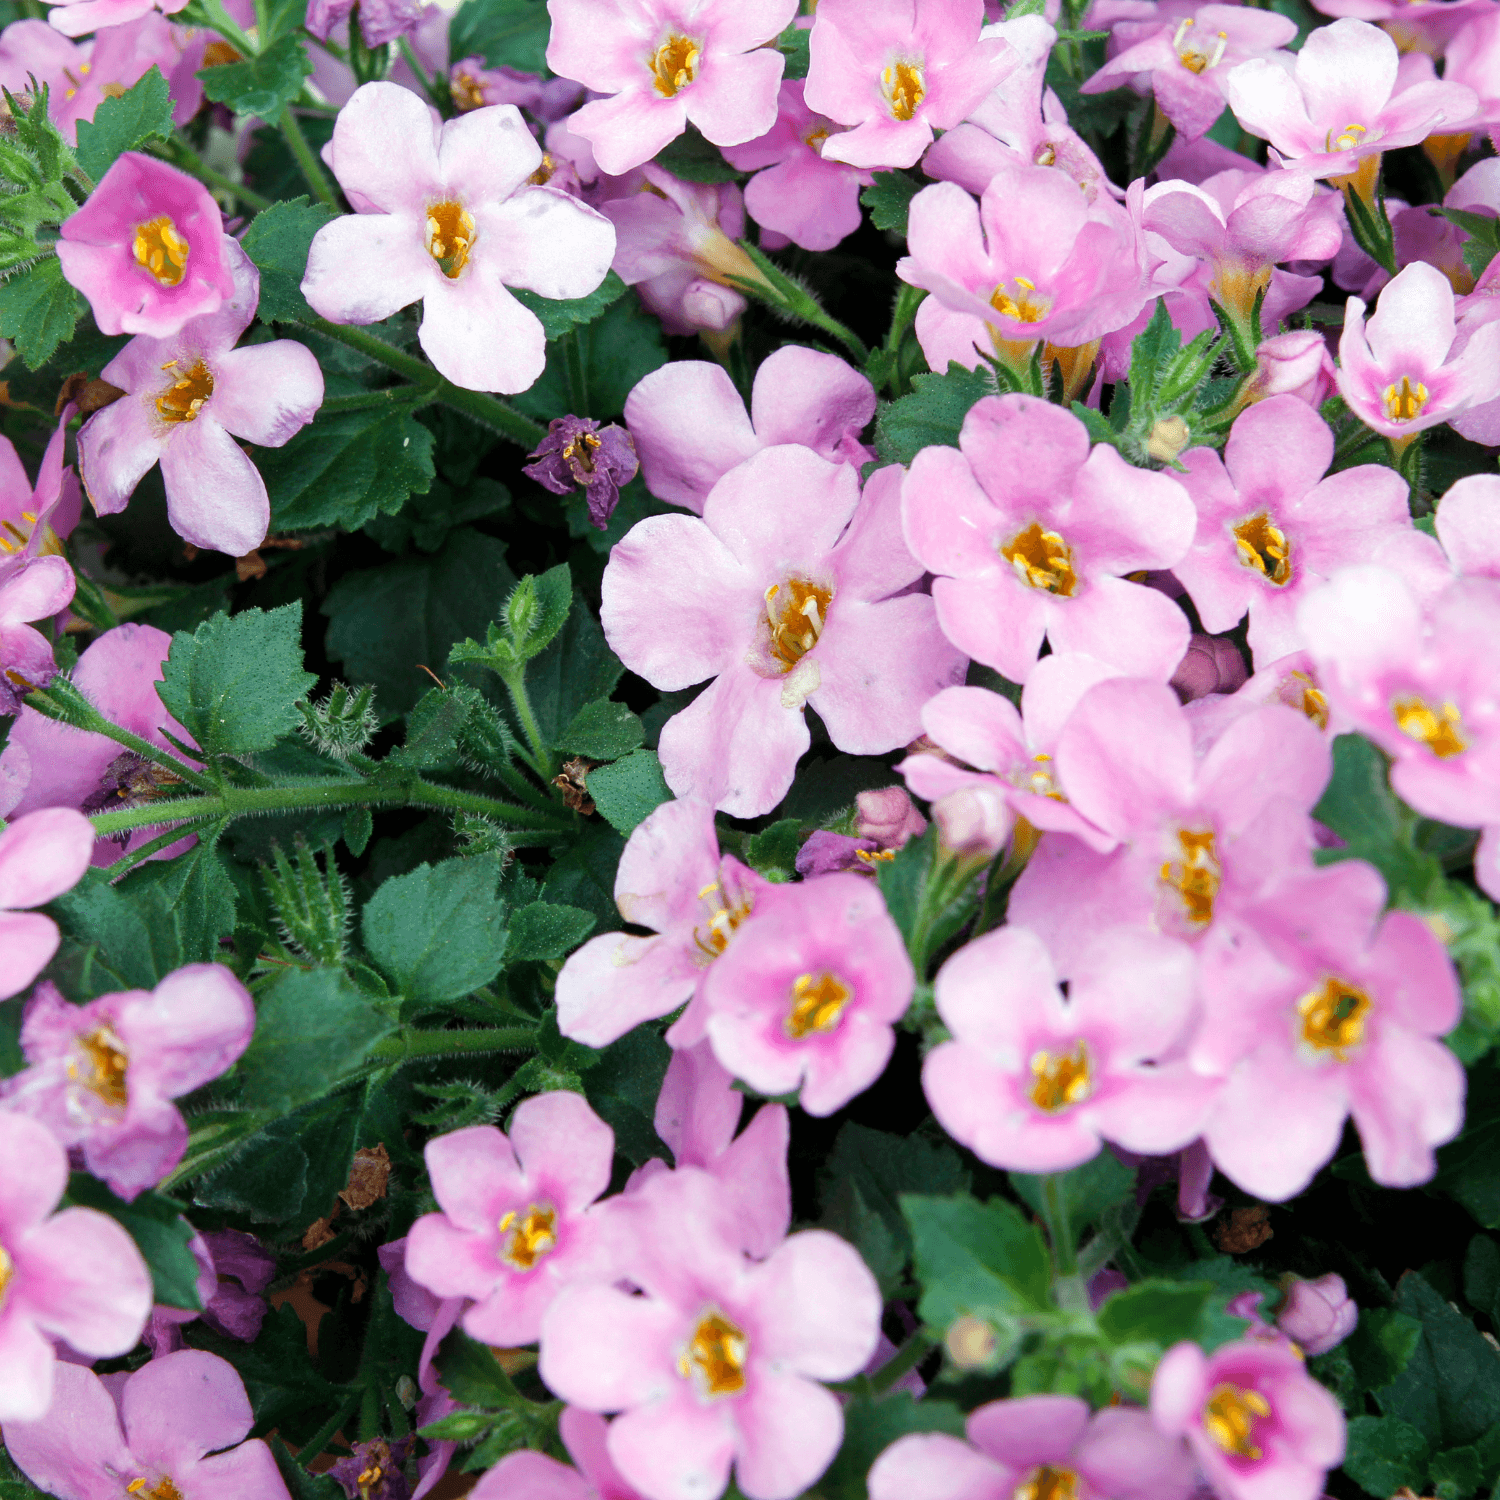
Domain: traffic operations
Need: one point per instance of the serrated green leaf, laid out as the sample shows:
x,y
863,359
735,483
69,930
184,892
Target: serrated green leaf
x,y
1155,1312
1385,1453
975,1258
1382,1345
629,789
603,730
196,887
38,311
889,199
558,315
932,414
538,609
543,930
123,121
278,241
161,1233
132,929
623,1087
264,84
773,851
606,360
299,1483
505,33
1084,1194
694,159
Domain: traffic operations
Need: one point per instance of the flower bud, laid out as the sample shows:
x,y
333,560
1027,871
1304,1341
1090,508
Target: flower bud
x,y
1318,1314
887,816
1169,436
1293,364
341,724
1211,665
973,822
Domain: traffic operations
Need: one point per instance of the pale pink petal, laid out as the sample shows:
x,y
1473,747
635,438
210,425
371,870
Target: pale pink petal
x,y
265,393
385,148
365,267
1131,626
817,1307
690,428
615,981
27,942
1028,1431
216,498
79,1439
546,242
938,1467
183,1406
42,855
560,1141
789,1435
1406,1096
736,101
480,337
85,1281
675,1449
486,154
630,128
195,1025
604,1350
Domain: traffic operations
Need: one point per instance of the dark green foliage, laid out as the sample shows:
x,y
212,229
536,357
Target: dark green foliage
x,y
124,123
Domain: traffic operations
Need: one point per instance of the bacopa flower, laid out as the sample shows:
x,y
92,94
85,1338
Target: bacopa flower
x,y
79,17
1293,364
41,856
187,398
445,214
528,1475
39,589
1318,1315
34,519
578,454
102,1076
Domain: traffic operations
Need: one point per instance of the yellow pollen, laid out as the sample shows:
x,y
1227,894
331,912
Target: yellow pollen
x,y
163,1489
674,64
7,1270
816,136
1312,701
904,88
1405,404
1196,876
1230,1416
1348,139
369,1478
450,236
796,613
160,250
108,1063
1024,305
1264,547
530,1239
1061,1080
1046,155
581,449
1441,730
544,173
713,937
466,91
219,55
817,1003
715,1356
1042,560
1047,1483
1039,778
1333,1017
1193,58
184,398
871,855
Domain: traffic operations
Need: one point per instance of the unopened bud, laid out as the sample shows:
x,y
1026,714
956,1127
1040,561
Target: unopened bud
x,y
888,816
341,724
1292,364
1168,438
310,905
971,1343
973,822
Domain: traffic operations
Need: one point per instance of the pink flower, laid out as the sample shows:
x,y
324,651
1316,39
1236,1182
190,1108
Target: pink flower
x,y
528,1475
1271,528
75,1276
187,398
41,856
789,591
973,823
515,1225
1318,1314
897,69
1340,101
1292,681
37,590
148,249
691,428
158,1430
102,1076
78,17
1294,364
1037,1446
1256,1421
1031,535
1402,372
1414,25
1473,56
34,520
672,880
445,214
1034,1082
1468,525
665,63
716,1362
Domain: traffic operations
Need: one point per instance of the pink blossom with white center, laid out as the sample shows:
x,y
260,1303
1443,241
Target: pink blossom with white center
x,y
1034,1082
665,63
1340,103
148,249
673,880
896,69
717,1361
187,398
1271,528
102,1076
1185,61
1414,25
1020,1447
74,1276
445,214
791,590
34,520
1348,1023
79,17
156,1429
691,428
41,856
528,1475
515,1224
1031,534
797,194
37,590
1403,371
807,996
1318,1315
1256,1421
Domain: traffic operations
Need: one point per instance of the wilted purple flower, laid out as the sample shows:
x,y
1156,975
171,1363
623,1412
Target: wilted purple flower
x,y
578,454
373,1470
380,21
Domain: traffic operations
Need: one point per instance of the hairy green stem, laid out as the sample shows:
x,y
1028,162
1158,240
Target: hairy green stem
x,y
143,852
312,168
324,1435
42,701
1059,1230
410,1046
411,396
515,683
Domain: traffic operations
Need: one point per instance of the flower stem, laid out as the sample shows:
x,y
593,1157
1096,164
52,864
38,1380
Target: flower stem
x,y
312,169
515,683
405,395
409,1045
324,1435
1059,1230
429,87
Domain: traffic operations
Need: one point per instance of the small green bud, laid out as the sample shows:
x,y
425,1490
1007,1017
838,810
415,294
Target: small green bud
x,y
341,724
310,904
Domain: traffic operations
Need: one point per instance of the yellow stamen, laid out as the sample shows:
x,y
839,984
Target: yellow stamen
x,y
467,92
1048,1483
1046,155
1021,302
1042,560
7,1270
530,1239
581,450
715,1356
450,236
1405,404
160,250
1230,1416
1348,139
1303,695
544,173
869,856
1061,1080
1196,875
184,398
904,88
817,1003
1441,730
796,613
1193,58
713,937
674,64
108,1062
1333,1017
1263,546
163,1489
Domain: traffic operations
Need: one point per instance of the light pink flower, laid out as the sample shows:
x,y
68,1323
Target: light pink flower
x,y
445,214
716,1362
1271,528
973,823
1035,1445
897,69
1292,681
34,520
1473,56
665,63
1319,1314
102,1076
1414,25
187,398
528,1475
41,856
791,590
1034,1082
1294,364
78,17
691,428
1468,525
1031,534
1256,1421
39,589
74,1276
515,1224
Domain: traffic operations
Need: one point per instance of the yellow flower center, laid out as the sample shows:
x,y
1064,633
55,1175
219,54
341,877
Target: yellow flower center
x,y
581,451
1196,875
714,1359
184,398
1333,1017
1020,300
1263,546
1062,1079
1197,57
160,250
1048,1483
1230,1416
1405,404
904,88
1046,155
817,1003
1298,691
107,1062
20,535
796,611
466,91
712,938
1042,560
816,136
163,1489
674,64
544,173
7,1270
530,1236
1348,139
450,236
1440,729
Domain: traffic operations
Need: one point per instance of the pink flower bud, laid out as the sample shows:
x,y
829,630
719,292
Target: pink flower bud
x,y
1294,364
974,821
1211,665
888,816
1318,1314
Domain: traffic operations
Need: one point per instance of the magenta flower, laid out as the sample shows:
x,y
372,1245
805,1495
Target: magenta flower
x,y
41,856
897,69
716,1362
578,454
515,1224
34,520
1031,534
188,397
1318,1315
1256,1421
1037,1446
102,1076
691,428
789,591
75,1276
665,63
1271,528
157,1432
37,590
148,249
445,214
528,1475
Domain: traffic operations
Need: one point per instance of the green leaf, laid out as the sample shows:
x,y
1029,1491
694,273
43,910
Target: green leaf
x,y
264,84
889,199
629,789
1469,1168
795,44
299,1483
1459,1471
1382,1345
576,669
233,684
473,1375
871,1425
161,1233
123,121
623,1087
439,932
559,314
1482,1277
694,159
975,1258
543,931
38,311
1384,1454
537,610
932,414
132,932
505,33
278,241
197,889
584,875
1085,1193
593,372
907,881
773,851
603,730
1155,1312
